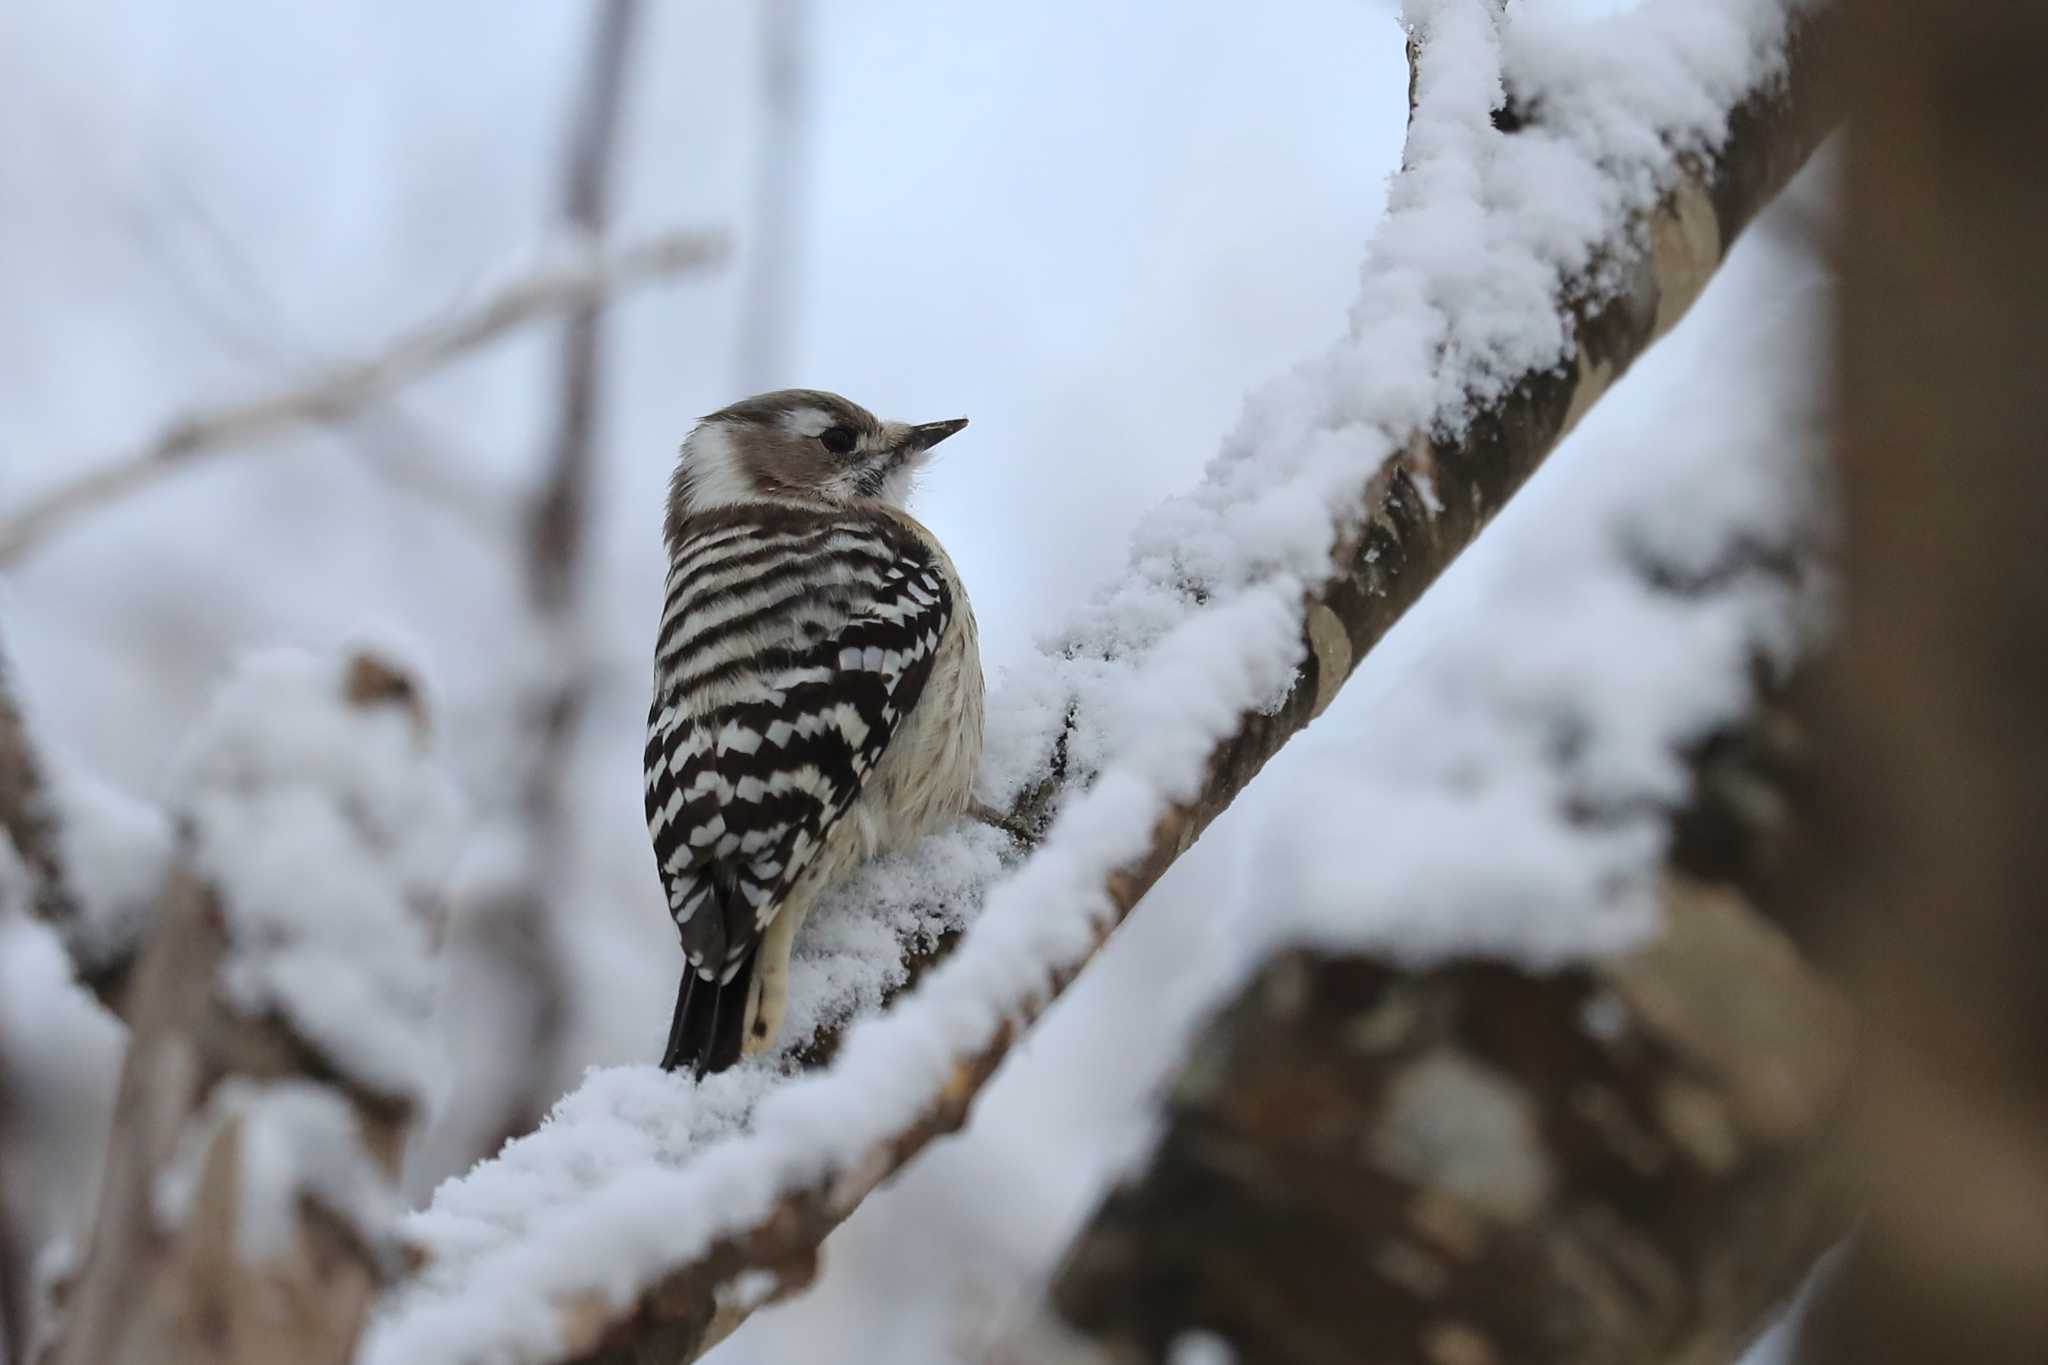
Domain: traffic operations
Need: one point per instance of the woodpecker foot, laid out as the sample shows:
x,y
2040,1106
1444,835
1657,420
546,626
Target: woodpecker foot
x,y
1023,834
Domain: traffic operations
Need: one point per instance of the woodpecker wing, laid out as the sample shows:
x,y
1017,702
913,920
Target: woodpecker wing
x,y
791,651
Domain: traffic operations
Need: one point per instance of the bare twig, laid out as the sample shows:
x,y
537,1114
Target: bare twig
x,y
518,930
1407,536
395,444
416,459
328,395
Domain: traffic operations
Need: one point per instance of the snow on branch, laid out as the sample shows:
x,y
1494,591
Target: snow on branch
x,y
27,815
1515,276
1392,1144
552,291
280,1027
94,857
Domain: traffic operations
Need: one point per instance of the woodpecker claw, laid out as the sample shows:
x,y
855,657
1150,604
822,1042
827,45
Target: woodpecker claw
x,y
1002,820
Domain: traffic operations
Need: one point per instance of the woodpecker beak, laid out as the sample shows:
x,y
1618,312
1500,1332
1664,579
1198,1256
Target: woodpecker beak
x,y
923,438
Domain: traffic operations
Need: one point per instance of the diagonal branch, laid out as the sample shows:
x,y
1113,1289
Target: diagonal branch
x,y
910,1076
1423,510
336,391
1634,1158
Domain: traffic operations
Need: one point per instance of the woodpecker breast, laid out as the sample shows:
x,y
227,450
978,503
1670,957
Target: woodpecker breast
x,y
816,697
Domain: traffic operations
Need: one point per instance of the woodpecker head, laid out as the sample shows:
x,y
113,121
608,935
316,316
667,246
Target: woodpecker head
x,y
800,443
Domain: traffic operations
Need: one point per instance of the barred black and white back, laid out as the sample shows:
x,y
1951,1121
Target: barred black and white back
x,y
817,693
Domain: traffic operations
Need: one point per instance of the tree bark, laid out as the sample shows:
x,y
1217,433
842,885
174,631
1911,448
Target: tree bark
x,y
1934,738
1630,1161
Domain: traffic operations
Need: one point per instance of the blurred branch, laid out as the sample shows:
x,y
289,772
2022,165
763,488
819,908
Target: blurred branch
x,y
556,531
397,446
101,940
1931,730
187,1293
341,388
518,931
26,813
417,460
1632,1161
243,1211
1407,537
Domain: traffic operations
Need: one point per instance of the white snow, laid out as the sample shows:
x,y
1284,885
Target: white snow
x,y
1462,810
327,828
116,849
113,849
1456,298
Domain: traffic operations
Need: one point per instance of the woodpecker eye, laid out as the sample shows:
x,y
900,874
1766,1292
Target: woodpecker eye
x,y
838,440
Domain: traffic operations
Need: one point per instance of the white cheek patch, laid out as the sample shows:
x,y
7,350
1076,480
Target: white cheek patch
x,y
712,468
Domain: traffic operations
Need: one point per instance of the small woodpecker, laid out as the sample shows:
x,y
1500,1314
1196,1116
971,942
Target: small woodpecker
x,y
817,692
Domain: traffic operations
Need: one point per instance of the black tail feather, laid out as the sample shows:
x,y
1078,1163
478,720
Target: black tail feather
x,y
710,1021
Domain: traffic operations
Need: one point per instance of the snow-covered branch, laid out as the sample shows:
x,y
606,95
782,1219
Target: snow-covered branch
x,y
1517,274
248,1203
558,289
1442,1121
94,857
27,815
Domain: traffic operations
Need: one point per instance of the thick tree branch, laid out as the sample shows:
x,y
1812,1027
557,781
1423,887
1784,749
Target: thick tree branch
x,y
1931,733
1414,517
1630,1161
344,387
